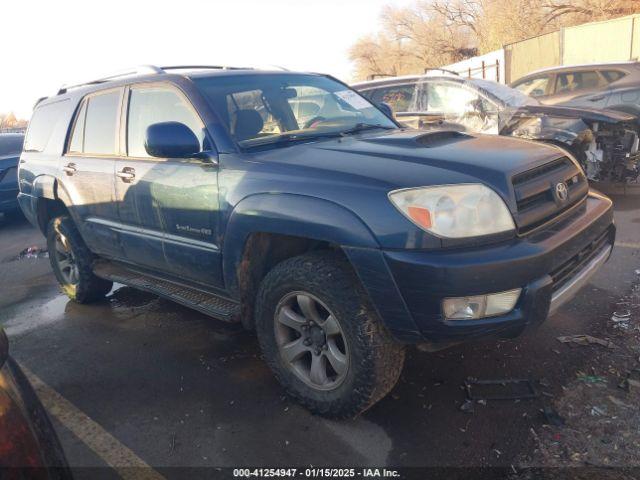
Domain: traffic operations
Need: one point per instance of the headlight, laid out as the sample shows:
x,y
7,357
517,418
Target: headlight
x,y
454,211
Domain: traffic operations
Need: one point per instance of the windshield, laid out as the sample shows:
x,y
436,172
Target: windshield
x,y
509,96
264,109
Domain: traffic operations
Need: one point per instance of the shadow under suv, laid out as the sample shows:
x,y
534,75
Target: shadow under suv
x,y
290,203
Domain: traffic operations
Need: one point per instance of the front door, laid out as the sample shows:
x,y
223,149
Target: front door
x,y
88,171
168,207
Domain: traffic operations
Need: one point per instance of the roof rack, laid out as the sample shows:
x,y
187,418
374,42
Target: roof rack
x,y
141,70
203,67
147,70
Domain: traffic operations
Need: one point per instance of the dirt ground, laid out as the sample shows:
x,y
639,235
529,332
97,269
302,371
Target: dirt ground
x,y
595,421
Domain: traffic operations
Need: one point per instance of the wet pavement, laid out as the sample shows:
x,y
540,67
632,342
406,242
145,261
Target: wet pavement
x,y
181,389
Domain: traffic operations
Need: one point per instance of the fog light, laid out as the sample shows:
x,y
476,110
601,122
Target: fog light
x,y
480,306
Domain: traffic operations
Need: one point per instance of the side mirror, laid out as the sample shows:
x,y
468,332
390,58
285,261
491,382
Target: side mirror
x,y
171,140
386,109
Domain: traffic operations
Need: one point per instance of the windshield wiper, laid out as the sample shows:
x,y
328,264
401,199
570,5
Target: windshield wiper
x,y
361,127
286,138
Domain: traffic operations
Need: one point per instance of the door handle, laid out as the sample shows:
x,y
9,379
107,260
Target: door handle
x,y
70,169
126,174
596,99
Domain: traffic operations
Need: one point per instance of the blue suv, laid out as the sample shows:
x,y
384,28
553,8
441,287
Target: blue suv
x,y
10,148
290,203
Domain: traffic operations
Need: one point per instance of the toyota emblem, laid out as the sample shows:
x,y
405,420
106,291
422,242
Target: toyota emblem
x,y
561,191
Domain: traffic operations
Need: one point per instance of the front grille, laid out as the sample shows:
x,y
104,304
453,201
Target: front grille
x,y
536,198
565,272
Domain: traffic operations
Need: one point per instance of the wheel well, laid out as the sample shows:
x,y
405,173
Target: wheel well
x,y
262,252
48,209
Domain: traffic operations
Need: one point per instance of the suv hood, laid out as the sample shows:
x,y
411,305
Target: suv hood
x,y
411,158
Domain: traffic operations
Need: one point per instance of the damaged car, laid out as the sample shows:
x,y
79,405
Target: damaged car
x,y
604,141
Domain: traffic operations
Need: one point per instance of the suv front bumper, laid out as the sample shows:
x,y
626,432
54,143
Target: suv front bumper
x,y
550,265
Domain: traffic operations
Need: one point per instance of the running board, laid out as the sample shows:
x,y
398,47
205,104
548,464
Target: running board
x,y
205,302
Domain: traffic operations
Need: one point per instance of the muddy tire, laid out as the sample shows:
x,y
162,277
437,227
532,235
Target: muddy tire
x,y
325,345
71,261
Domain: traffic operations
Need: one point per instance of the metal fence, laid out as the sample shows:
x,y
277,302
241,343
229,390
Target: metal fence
x,y
615,40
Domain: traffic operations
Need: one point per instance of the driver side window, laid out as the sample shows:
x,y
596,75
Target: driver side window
x,y
155,104
249,109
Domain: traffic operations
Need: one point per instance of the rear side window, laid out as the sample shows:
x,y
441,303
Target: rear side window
x,y
398,97
95,129
612,75
572,81
42,124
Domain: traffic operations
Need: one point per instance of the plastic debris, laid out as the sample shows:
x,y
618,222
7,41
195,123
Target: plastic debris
x,y
552,417
618,402
585,340
597,411
592,379
501,389
467,406
621,319
33,252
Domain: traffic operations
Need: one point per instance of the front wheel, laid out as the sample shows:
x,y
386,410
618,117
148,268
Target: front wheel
x,y
323,342
71,262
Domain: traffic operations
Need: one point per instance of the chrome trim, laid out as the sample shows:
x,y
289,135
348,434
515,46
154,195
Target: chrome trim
x,y
154,234
569,290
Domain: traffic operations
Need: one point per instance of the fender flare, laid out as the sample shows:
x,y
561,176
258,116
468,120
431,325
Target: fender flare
x,y
45,186
289,214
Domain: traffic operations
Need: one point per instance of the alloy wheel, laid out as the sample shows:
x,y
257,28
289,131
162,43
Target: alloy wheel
x,y
311,341
66,260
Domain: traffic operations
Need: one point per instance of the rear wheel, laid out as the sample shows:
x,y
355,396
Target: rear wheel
x,y
324,343
71,261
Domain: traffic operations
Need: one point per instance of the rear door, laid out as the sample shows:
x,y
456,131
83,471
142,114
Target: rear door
x,y
88,170
168,207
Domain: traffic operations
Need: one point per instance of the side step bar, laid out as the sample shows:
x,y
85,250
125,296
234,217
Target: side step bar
x,y
205,302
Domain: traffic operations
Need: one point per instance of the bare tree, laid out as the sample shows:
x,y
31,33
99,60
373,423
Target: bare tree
x,y
432,33
411,40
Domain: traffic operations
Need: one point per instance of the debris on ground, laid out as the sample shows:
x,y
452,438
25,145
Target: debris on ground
x,y
552,417
33,252
621,319
467,406
585,340
594,421
500,389
590,378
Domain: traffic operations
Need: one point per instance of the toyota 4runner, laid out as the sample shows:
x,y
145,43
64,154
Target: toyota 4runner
x,y
290,203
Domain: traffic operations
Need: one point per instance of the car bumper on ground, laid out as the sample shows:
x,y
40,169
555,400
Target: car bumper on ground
x,y
29,447
550,265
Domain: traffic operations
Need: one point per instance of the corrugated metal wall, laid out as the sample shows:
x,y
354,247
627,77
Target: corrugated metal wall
x,y
532,54
609,41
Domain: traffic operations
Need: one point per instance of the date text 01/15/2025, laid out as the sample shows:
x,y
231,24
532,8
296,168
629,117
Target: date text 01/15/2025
x,y
315,473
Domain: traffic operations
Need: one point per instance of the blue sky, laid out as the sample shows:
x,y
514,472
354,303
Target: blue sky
x,y
66,41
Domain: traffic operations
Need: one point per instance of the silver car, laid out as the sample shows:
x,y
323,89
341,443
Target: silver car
x,y
614,86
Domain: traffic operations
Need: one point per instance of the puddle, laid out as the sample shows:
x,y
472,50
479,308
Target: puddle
x,y
37,317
